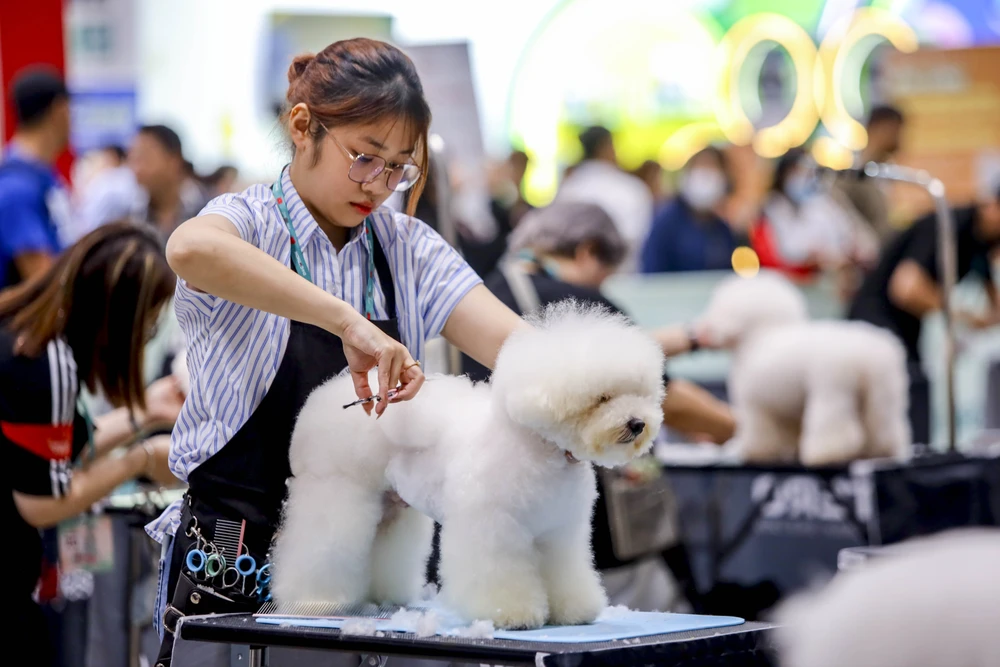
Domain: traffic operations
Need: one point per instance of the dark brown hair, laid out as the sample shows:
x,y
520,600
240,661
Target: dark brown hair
x,y
362,81
102,295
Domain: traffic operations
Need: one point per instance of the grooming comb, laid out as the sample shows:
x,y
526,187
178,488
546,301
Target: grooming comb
x,y
228,538
328,610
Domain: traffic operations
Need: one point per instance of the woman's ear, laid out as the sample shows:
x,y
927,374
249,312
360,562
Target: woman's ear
x,y
299,123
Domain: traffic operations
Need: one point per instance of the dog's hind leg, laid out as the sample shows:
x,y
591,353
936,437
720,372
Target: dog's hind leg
x,y
490,570
322,550
831,425
399,557
762,437
576,595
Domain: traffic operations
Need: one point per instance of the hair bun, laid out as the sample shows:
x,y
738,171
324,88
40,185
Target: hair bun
x,y
299,65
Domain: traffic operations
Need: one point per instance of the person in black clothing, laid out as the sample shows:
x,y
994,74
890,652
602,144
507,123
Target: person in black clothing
x,y
81,323
566,251
905,287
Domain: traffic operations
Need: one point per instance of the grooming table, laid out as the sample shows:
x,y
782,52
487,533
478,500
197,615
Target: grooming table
x,y
787,524
744,645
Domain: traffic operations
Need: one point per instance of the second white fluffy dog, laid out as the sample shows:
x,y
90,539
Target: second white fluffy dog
x,y
504,467
819,392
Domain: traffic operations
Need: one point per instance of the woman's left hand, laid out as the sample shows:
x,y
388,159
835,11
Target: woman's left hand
x,y
164,399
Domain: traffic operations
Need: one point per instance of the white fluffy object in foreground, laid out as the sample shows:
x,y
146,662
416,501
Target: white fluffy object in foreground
x,y
504,467
819,392
933,602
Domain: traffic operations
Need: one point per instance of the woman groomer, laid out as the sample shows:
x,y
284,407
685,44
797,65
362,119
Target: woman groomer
x,y
82,323
282,287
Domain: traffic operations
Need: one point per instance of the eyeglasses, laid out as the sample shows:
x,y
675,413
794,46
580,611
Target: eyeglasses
x,y
366,168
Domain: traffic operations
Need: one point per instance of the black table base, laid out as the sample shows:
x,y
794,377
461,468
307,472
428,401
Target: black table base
x,y
747,645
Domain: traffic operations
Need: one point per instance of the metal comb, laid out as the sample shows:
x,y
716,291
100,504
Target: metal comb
x,y
328,610
228,538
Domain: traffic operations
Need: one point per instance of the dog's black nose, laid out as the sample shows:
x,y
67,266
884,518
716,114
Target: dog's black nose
x,y
636,425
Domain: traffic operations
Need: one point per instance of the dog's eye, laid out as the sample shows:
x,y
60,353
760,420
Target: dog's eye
x,y
604,398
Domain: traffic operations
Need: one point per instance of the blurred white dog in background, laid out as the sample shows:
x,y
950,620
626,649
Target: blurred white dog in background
x,y
817,392
504,467
931,602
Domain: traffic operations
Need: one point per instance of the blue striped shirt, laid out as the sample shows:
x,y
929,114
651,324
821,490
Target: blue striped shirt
x,y
233,351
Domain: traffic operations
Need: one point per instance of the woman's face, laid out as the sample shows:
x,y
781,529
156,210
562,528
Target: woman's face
x,y
327,185
590,269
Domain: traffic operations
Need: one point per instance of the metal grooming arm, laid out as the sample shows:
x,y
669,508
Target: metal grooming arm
x,y
947,266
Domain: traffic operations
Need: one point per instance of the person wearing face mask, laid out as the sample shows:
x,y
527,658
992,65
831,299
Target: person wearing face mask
x,y
804,228
687,234
283,286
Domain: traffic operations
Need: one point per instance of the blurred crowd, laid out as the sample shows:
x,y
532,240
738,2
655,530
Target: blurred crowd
x,y
149,181
798,217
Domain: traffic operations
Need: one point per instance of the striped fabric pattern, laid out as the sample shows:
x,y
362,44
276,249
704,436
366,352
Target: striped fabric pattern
x,y
62,375
233,352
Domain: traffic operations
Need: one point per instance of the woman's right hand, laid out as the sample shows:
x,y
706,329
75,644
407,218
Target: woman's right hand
x,y
366,347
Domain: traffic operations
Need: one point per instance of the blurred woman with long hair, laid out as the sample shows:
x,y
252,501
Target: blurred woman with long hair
x,y
83,323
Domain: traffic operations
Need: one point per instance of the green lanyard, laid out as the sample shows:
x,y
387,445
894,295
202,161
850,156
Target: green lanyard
x,y
299,259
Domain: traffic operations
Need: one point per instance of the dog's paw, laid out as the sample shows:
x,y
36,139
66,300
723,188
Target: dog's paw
x,y
523,618
508,606
579,605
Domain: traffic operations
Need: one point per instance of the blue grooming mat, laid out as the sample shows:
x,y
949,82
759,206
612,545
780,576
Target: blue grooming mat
x,y
616,623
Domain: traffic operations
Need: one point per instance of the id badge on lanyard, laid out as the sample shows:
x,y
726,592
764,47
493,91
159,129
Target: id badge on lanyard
x,y
86,542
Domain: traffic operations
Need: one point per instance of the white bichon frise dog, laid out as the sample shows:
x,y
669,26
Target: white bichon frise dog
x,y
504,467
932,601
819,392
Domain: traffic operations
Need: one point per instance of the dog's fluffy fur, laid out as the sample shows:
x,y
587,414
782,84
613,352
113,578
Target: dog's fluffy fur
x,y
934,601
820,392
489,462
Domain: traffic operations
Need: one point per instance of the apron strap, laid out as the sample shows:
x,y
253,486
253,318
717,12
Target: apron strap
x,y
525,294
384,276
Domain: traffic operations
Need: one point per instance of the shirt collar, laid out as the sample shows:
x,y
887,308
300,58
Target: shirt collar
x,y
305,225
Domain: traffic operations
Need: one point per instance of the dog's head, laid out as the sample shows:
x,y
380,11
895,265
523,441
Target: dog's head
x,y
586,380
741,306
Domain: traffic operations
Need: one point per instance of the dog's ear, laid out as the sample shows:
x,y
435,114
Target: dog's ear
x,y
529,407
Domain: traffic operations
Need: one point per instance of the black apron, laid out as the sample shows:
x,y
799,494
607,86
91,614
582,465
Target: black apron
x,y
245,480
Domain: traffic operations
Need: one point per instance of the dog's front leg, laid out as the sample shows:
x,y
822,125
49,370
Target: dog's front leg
x,y
576,595
399,557
489,570
323,548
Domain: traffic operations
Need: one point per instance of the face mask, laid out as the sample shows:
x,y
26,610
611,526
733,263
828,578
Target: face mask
x,y
799,188
703,188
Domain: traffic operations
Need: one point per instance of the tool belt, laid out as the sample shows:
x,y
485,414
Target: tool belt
x,y
218,566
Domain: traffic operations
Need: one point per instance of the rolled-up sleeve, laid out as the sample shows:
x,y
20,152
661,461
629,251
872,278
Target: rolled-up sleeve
x,y
236,209
443,278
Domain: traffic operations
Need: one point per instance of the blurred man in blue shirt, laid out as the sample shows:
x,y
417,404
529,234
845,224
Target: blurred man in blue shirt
x,y
34,203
